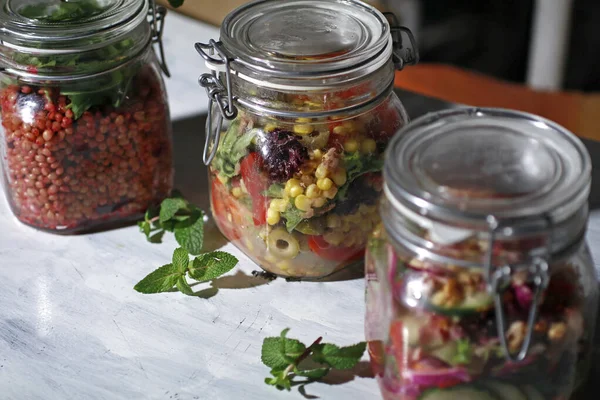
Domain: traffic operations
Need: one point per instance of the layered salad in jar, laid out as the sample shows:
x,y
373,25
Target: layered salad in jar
x,y
433,332
81,153
300,197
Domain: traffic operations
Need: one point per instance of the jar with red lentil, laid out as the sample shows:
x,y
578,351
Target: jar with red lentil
x,y
86,138
479,283
296,177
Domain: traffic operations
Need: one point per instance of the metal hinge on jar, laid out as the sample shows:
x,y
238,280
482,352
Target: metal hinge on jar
x,y
499,279
217,94
402,55
156,18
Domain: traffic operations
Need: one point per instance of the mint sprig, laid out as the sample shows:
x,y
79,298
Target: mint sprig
x,y
186,221
179,216
290,359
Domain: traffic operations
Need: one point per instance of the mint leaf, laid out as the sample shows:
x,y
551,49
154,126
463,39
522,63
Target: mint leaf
x,y
181,260
463,352
281,380
190,233
315,373
339,357
280,352
356,166
170,207
145,228
161,280
209,266
293,217
275,190
184,287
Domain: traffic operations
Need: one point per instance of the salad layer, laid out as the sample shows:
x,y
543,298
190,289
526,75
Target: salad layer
x,y
433,333
300,197
77,160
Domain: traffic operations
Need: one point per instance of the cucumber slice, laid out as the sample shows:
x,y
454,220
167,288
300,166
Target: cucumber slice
x,y
532,393
505,391
463,392
478,302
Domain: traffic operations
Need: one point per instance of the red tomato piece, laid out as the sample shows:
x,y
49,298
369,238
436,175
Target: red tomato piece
x,y
334,253
256,183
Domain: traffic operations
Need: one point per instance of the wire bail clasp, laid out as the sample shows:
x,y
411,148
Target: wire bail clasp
x,y
499,279
402,56
156,18
219,95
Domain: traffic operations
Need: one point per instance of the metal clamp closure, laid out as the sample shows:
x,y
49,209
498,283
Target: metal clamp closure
x,y
499,279
156,18
402,56
218,95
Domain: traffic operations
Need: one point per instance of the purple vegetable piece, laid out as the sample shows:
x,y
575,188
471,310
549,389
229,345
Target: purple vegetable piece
x,y
524,296
282,153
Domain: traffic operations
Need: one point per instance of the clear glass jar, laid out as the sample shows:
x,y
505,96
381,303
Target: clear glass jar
x,y
479,282
296,177
86,139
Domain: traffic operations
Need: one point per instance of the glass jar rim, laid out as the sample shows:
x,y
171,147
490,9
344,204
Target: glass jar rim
x,y
304,38
41,36
462,167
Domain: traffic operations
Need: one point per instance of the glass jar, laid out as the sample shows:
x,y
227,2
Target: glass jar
x,y
479,282
86,139
308,86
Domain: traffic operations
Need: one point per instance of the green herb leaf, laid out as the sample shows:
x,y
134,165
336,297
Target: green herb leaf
x,y
184,287
232,149
145,228
161,280
281,380
181,260
315,373
157,237
356,166
176,3
209,266
280,352
293,217
170,207
464,352
190,233
275,190
339,357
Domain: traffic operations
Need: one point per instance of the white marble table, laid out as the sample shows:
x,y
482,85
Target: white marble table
x,y
72,327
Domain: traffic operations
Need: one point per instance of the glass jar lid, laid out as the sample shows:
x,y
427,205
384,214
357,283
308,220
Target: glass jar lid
x,y
305,36
56,24
462,167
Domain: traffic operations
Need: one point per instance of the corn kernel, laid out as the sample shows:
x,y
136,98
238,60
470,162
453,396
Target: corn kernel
x,y
351,146
339,130
279,205
321,171
303,129
324,184
339,176
319,202
312,191
317,154
330,194
368,146
222,179
292,182
237,192
333,221
270,127
296,191
273,216
302,203
303,120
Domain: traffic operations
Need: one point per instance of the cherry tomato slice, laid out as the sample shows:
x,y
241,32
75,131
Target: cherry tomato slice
x,y
223,205
256,183
334,253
